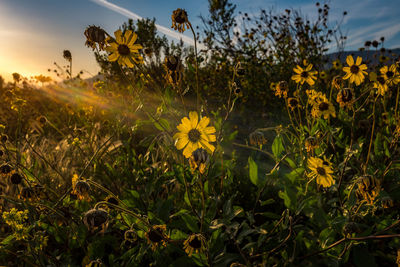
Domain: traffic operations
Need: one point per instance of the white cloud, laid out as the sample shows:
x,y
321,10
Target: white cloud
x,y
129,14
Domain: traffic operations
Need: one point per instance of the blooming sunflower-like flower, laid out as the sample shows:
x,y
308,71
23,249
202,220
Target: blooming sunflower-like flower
x,y
323,108
304,75
123,49
180,20
321,170
355,71
337,64
157,236
195,243
390,74
381,85
345,97
194,134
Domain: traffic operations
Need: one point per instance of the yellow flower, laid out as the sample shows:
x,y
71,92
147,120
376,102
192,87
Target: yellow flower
x,y
323,108
314,97
323,75
381,85
194,134
337,64
345,97
355,71
321,170
304,75
390,74
180,20
123,49
194,244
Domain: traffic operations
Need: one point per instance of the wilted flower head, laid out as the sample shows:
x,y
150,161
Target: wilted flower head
x,y
96,218
199,159
173,66
368,188
156,235
67,55
195,243
180,20
95,35
80,187
16,77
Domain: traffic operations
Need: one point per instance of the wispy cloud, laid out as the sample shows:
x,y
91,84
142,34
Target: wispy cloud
x,y
129,14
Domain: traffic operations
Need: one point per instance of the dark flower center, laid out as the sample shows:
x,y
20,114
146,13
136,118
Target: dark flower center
x,y
354,69
181,16
323,106
381,80
321,171
123,50
293,102
389,74
195,243
154,236
304,74
194,135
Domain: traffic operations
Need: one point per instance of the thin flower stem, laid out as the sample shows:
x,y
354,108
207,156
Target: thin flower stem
x,y
196,68
372,135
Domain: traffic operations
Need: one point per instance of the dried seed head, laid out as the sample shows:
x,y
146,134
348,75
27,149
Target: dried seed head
x,y
95,218
67,55
95,35
16,178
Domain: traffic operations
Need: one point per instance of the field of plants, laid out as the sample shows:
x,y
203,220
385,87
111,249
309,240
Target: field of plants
x,y
252,148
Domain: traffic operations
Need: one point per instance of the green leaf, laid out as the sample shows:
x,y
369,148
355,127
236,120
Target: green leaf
x,y
162,125
277,146
253,172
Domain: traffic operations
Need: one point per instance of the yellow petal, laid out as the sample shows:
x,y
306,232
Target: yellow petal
x,y
118,36
358,61
182,142
187,152
207,146
347,76
209,130
350,60
194,119
113,57
203,123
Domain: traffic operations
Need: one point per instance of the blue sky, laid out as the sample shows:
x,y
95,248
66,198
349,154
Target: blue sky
x,y
34,33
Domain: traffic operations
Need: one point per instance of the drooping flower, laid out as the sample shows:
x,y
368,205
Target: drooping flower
x,y
157,236
368,188
337,82
345,97
180,20
194,134
123,49
321,170
95,35
293,102
281,89
304,75
355,71
195,243
198,160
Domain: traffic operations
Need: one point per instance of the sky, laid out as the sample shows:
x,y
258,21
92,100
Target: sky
x,y
34,33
